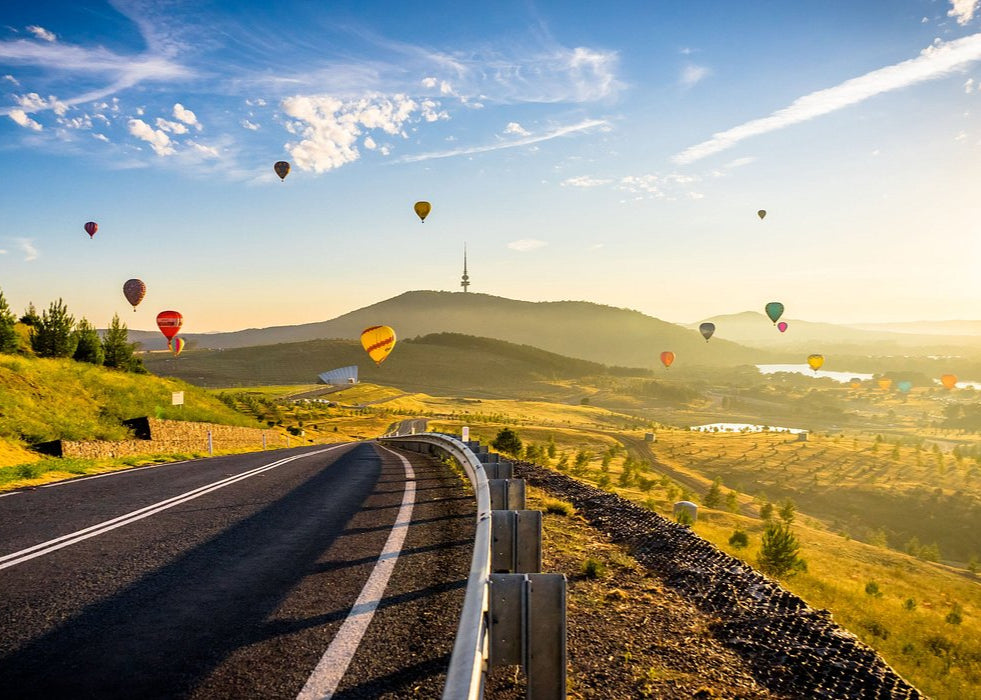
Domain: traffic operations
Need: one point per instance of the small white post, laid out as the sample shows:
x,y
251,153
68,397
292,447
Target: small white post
x,y
263,439
211,447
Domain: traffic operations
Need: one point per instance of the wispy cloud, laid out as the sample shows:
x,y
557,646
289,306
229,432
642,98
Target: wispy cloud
x,y
937,61
11,79
20,117
26,246
42,33
526,141
586,181
692,74
514,128
963,10
251,126
525,245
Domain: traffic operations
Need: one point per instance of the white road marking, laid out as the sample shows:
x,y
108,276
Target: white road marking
x,y
332,666
43,548
12,493
115,473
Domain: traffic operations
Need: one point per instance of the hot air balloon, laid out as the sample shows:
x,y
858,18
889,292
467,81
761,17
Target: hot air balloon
x,y
761,213
667,357
177,346
422,210
169,323
855,383
282,169
885,383
90,228
904,386
815,361
774,310
134,290
782,326
948,380
706,329
378,341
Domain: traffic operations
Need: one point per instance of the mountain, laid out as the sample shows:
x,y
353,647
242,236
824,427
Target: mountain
x,y
579,329
441,363
756,330
955,328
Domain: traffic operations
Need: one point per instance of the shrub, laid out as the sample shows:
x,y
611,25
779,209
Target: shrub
x,y
909,604
955,616
872,589
508,442
739,539
778,551
593,568
554,505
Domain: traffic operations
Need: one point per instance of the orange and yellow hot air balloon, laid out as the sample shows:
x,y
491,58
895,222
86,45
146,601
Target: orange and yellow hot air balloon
x,y
815,361
422,210
885,383
177,346
667,357
378,342
948,380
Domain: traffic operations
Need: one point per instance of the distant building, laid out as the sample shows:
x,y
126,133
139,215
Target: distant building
x,y
465,280
342,375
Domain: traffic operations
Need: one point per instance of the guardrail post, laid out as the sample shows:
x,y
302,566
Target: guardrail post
x,y
499,470
516,541
507,494
528,627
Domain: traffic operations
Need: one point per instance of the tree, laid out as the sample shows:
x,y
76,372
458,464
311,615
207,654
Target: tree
x,y
787,511
739,539
53,335
732,502
778,551
766,511
508,442
30,317
117,349
713,497
8,336
88,347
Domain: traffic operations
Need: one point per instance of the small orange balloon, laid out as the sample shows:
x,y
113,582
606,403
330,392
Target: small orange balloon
x,y
948,380
667,357
885,383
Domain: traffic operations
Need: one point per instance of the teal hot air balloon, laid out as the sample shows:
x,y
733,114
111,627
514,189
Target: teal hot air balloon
x,y
774,310
904,386
706,329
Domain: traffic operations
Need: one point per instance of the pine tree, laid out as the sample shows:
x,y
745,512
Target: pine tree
x,y
117,349
88,347
30,317
8,336
778,550
53,335
713,497
508,442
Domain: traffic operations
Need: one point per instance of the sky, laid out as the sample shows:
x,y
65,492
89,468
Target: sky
x,y
608,152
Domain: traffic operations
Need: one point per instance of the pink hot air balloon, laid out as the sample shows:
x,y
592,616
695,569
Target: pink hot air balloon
x,y
782,326
90,228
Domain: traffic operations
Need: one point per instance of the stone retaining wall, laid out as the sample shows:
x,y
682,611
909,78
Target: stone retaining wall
x,y
170,436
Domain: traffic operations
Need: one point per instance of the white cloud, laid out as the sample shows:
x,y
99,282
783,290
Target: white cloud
x,y
2,251
26,246
172,127
250,125
740,162
33,102
206,151
429,83
101,137
369,143
526,244
963,10
431,112
961,136
969,86
937,61
692,74
330,127
82,122
187,116
12,79
158,140
525,141
517,129
258,102
585,181
20,117
42,33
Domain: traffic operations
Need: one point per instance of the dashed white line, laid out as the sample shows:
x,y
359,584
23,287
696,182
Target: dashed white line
x,y
57,543
323,682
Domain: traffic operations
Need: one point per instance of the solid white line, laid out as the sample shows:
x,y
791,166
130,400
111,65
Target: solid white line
x,y
325,678
57,543
12,493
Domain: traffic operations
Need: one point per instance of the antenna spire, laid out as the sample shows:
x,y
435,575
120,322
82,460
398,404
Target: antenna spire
x,y
465,280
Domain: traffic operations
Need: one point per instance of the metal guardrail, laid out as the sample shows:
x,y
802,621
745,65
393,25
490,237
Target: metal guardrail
x,y
501,630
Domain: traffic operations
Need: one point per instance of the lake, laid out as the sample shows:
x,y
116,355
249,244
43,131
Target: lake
x,y
743,427
843,377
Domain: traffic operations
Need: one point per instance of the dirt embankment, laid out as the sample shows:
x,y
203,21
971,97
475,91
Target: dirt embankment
x,y
789,648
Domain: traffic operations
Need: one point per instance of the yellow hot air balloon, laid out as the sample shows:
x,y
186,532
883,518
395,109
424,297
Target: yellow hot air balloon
x,y
422,210
948,380
761,213
378,341
855,384
885,383
815,361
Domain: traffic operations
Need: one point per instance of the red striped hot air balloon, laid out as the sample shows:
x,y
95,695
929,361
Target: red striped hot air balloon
x,y
90,228
169,323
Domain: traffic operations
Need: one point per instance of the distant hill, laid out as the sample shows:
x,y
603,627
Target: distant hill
x,y
756,330
947,328
577,329
443,363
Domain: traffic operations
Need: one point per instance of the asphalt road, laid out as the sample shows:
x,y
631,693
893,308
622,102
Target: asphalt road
x,y
235,577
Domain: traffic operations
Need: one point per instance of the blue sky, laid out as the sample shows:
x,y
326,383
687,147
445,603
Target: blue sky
x,y
612,152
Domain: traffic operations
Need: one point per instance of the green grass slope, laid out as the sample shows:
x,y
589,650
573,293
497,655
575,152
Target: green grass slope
x,y
43,400
444,363
578,329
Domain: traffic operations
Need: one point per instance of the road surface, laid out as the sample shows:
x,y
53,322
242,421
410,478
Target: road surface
x,y
236,577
